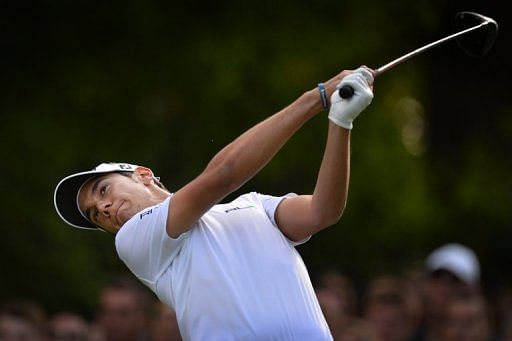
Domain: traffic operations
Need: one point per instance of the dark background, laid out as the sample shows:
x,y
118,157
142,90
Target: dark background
x,y
168,84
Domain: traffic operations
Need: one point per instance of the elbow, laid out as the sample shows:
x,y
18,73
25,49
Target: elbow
x,y
328,218
333,219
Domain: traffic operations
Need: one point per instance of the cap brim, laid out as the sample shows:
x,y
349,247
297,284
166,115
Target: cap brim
x,y
65,200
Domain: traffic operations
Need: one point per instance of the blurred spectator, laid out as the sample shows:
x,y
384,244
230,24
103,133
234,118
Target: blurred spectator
x,y
340,285
466,318
506,327
164,326
124,308
68,326
392,306
21,320
343,327
502,307
357,330
452,270
333,310
338,300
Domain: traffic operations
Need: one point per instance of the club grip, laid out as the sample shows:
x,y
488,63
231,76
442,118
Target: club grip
x,y
346,91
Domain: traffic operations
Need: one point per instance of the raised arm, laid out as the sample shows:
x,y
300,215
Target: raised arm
x,y
302,216
239,161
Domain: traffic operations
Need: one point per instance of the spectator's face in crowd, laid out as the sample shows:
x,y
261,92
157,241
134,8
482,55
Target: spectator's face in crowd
x,y
439,288
333,309
392,306
68,327
121,316
17,329
390,321
343,287
466,319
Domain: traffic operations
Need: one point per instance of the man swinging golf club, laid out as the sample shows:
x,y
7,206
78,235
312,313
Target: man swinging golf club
x,y
230,271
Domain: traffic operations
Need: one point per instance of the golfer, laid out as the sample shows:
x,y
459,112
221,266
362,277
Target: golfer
x,y
230,271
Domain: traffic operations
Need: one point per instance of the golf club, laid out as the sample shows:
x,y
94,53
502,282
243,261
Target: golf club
x,y
484,31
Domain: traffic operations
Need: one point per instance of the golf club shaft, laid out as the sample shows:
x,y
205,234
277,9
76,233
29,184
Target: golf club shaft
x,y
347,91
408,56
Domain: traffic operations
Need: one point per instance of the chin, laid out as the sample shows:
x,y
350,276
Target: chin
x,y
124,218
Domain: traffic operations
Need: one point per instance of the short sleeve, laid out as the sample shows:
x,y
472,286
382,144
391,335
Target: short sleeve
x,y
270,204
144,245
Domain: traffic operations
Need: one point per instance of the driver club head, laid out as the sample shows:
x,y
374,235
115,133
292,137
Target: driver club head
x,y
478,42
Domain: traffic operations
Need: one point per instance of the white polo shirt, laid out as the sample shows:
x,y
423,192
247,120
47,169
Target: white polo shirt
x,y
233,276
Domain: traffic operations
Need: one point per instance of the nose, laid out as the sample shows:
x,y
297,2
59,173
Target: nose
x,y
104,207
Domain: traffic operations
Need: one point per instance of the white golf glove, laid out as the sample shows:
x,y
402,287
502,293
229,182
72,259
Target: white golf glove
x,y
345,110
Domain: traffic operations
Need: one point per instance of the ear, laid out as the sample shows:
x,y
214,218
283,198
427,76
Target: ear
x,y
144,175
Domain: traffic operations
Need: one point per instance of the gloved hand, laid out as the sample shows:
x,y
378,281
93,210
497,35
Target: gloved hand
x,y
344,110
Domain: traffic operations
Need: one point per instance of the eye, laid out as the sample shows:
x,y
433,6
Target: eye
x,y
103,190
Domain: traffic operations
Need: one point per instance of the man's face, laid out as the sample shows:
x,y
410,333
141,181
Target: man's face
x,y
439,288
466,319
111,200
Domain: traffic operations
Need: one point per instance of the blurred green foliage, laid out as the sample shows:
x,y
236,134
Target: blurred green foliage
x,y
168,84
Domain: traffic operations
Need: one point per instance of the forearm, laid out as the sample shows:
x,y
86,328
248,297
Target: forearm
x,y
331,189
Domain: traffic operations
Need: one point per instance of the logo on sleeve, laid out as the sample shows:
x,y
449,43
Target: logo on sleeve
x,y
148,212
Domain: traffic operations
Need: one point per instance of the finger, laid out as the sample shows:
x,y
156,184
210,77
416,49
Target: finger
x,y
369,69
367,73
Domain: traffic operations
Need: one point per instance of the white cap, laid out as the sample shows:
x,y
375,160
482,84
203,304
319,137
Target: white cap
x,y
457,259
66,193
